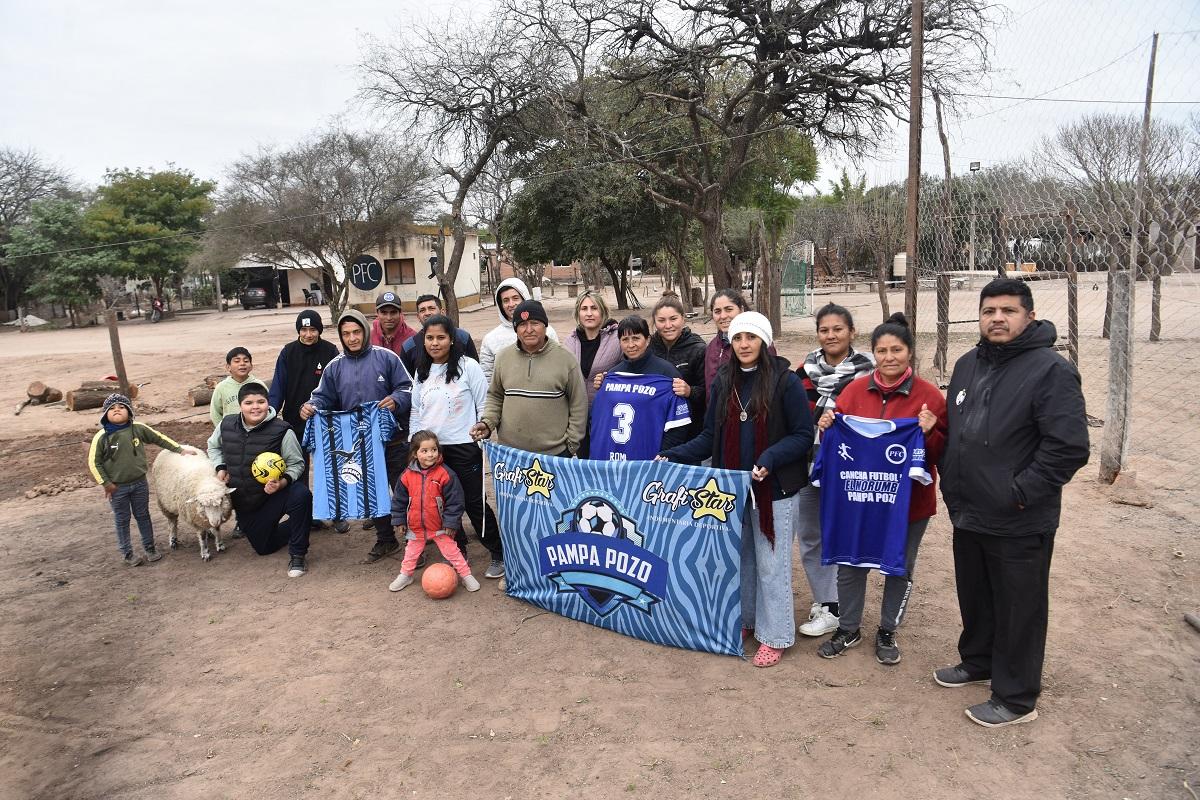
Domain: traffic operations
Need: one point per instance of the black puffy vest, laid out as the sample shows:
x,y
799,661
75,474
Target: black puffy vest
x,y
239,448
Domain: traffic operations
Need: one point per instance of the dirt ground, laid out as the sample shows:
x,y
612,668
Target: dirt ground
x,y
183,679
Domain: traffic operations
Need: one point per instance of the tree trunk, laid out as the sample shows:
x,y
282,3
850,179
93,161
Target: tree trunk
x,y
881,273
716,253
449,276
200,395
769,279
618,289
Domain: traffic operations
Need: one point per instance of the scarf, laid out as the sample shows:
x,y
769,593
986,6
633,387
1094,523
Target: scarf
x,y
828,381
112,427
888,388
731,456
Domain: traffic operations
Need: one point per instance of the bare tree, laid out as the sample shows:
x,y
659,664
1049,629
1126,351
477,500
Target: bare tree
x,y
467,98
1097,157
324,202
877,222
25,178
682,88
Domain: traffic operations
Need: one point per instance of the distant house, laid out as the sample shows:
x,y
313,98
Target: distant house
x,y
404,268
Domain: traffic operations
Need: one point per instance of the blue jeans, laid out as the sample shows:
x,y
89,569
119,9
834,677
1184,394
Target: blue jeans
x,y
767,604
132,498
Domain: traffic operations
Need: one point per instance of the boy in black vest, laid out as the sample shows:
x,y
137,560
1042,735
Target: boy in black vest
x,y
232,448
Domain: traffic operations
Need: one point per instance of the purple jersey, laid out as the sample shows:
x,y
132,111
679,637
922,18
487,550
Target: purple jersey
x,y
630,414
864,467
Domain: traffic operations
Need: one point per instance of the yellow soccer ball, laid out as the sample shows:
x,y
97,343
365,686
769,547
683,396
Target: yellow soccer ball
x,y
268,467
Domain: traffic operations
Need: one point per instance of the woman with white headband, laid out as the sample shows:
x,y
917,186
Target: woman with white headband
x,y
758,420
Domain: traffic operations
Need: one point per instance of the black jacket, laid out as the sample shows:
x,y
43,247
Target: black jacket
x,y
1017,435
239,448
687,356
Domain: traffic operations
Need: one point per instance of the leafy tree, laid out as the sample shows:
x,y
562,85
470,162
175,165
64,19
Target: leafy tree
x,y
601,213
147,216
71,279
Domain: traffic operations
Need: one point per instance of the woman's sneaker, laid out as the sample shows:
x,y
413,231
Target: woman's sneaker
x,y
886,651
820,621
840,642
495,569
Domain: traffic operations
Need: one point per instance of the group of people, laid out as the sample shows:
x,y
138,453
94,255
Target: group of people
x,y
1012,435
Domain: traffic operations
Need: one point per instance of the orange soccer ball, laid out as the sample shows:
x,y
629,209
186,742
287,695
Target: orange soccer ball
x,y
439,581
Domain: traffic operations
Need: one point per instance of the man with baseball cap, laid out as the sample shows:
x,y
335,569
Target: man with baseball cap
x,y
389,329
537,400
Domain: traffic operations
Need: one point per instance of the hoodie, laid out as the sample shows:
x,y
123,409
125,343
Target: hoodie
x,y
503,334
1017,434
365,376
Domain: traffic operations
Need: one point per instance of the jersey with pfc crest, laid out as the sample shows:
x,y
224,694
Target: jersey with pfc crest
x,y
349,471
630,414
864,467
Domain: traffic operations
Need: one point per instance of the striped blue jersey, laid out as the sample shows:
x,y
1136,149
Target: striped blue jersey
x,y
864,468
349,472
630,414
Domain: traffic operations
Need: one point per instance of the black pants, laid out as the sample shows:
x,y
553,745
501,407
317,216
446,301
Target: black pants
x,y
466,461
1003,595
395,457
266,533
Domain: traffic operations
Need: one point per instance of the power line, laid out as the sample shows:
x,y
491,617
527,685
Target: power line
x,y
1041,99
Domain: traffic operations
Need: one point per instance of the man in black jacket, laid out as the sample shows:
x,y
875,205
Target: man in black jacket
x,y
1017,435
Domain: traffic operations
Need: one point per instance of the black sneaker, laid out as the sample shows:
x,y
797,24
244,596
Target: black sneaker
x,y
132,560
152,555
369,525
341,526
840,642
296,567
956,676
422,560
886,651
994,714
318,525
237,532
380,550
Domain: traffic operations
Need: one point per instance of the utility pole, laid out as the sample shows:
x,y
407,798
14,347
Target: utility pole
x,y
974,169
1115,446
916,81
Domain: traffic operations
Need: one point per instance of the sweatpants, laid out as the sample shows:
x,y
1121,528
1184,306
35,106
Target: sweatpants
x,y
132,499
852,587
1003,587
822,578
264,530
466,460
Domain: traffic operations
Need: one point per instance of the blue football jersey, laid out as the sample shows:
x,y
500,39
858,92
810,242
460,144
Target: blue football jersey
x,y
349,471
630,414
864,468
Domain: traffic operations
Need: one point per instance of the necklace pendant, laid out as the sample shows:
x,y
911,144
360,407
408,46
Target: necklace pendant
x,y
742,416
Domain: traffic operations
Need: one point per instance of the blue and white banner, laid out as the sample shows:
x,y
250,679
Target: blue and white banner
x,y
644,548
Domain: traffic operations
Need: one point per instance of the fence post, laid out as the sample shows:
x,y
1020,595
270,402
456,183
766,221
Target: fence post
x,y
1072,284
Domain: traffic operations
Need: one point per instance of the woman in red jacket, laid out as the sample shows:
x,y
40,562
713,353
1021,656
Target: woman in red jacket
x,y
890,391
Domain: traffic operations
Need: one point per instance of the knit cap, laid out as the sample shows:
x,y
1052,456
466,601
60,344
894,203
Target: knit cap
x,y
309,318
752,322
114,399
529,310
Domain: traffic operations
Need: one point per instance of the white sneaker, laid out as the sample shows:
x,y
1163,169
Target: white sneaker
x,y
401,581
820,621
469,583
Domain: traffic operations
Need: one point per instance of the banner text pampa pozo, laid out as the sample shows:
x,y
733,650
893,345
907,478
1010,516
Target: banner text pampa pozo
x,y
648,549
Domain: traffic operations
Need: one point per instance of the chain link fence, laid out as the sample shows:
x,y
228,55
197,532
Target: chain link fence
x,y
1050,173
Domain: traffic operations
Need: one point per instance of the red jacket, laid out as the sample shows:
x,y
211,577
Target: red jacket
x,y
427,500
399,336
863,398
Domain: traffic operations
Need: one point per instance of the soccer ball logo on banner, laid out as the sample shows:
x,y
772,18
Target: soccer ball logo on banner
x,y
599,516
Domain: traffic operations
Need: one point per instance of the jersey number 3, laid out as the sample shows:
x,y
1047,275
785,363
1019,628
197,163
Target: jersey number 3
x,y
624,417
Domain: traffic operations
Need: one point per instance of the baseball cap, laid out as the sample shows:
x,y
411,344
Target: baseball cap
x,y
388,299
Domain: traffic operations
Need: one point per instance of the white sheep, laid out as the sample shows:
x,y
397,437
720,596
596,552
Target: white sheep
x,y
187,487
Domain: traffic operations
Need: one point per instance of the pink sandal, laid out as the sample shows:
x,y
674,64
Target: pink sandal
x,y
767,656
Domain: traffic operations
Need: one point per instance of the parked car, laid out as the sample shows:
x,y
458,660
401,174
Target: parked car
x,y
253,296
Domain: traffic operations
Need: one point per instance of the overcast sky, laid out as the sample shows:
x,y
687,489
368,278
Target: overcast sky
x,y
130,83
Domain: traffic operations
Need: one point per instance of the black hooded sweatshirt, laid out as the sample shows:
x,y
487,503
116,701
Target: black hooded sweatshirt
x,y
302,366
1017,434
686,354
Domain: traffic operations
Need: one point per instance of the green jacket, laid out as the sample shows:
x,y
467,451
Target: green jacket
x,y
120,457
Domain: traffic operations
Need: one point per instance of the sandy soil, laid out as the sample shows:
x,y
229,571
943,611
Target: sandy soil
x,y
190,680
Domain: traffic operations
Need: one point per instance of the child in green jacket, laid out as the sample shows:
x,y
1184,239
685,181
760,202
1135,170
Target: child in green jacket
x,y
117,459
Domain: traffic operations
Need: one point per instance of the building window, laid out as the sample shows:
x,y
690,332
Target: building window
x,y
400,270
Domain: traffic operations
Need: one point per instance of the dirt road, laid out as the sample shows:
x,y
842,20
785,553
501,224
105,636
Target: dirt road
x,y
227,679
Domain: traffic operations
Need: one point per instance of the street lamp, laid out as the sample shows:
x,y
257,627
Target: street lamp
x,y
974,169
